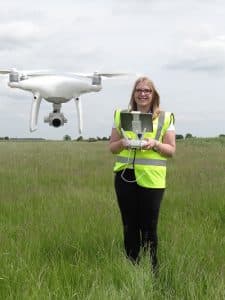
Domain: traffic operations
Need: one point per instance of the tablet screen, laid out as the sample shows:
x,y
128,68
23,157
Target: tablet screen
x,y
136,122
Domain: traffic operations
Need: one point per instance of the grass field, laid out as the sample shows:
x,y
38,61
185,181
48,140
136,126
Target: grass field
x,y
61,233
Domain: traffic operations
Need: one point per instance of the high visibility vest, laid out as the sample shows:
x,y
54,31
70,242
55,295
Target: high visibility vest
x,y
149,165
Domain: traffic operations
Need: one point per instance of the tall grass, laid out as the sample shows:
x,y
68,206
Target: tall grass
x,y
61,233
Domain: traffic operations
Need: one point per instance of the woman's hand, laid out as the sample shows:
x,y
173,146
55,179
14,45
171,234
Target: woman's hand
x,y
117,143
166,148
125,143
151,144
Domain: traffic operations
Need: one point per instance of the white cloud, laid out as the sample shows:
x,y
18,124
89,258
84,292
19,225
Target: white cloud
x,y
201,51
17,34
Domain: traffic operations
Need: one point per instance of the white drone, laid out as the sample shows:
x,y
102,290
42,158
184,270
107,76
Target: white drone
x,y
56,89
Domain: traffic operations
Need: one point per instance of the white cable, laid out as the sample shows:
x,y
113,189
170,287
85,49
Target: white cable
x,y
122,174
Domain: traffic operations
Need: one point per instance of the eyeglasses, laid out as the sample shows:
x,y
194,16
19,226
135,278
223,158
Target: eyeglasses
x,y
145,91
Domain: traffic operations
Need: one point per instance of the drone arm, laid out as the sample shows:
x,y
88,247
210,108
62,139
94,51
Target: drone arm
x,y
79,114
34,111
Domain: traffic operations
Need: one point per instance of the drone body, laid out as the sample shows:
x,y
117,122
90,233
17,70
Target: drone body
x,y
56,89
53,87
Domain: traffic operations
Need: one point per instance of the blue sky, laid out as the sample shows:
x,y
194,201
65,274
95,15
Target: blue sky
x,y
180,45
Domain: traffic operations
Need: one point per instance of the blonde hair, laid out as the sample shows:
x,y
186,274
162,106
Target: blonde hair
x,y
154,107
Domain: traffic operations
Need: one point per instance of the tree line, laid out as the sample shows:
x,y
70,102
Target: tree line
x,y
189,135
92,139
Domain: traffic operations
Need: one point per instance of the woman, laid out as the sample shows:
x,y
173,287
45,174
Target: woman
x,y
140,174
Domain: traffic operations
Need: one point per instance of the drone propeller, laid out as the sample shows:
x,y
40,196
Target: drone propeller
x,y
25,72
39,73
91,75
112,74
5,71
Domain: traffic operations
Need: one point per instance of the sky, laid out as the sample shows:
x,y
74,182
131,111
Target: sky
x,y
180,45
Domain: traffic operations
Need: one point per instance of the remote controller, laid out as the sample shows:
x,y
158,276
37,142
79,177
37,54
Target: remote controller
x,y
137,144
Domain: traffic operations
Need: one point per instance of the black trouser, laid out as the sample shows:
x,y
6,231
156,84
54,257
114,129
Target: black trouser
x,y
139,209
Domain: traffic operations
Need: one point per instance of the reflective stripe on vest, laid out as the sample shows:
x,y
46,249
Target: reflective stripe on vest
x,y
141,161
160,125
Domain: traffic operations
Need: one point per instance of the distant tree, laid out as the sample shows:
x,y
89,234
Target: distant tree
x,y
80,138
92,140
105,138
179,137
67,137
188,136
222,135
6,138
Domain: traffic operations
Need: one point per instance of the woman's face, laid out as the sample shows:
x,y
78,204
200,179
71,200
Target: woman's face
x,y
143,96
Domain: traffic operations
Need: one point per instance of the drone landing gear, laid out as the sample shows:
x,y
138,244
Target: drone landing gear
x,y
79,114
56,118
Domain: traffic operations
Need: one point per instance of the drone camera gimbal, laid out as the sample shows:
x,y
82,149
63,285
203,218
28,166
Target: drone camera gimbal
x,y
56,118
